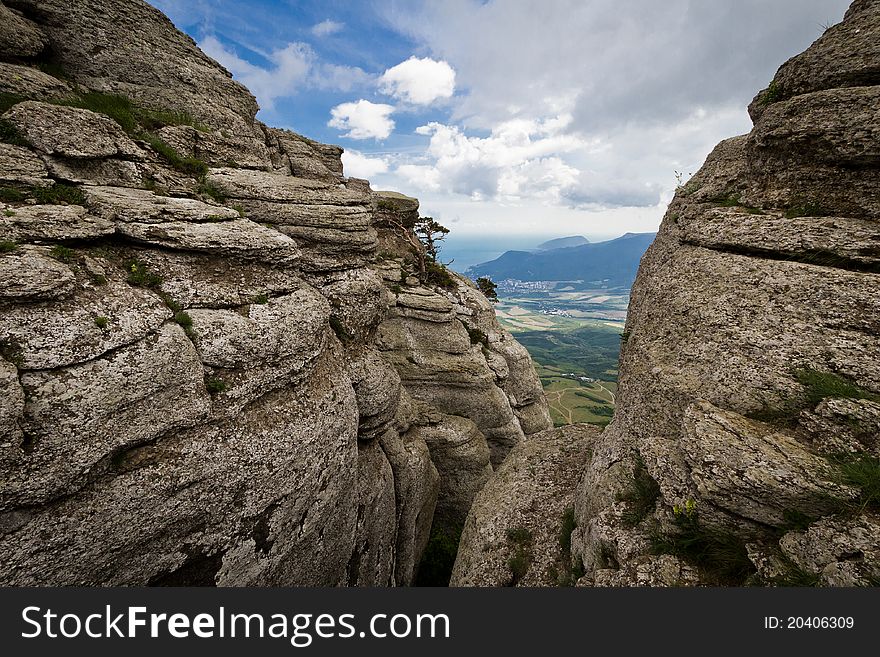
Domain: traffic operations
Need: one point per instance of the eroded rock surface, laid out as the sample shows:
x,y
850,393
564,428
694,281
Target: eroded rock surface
x,y
751,355
205,378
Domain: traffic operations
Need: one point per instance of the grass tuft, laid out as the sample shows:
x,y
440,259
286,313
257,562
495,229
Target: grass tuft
x,y
63,254
214,385
102,322
139,275
721,556
9,134
641,496
8,246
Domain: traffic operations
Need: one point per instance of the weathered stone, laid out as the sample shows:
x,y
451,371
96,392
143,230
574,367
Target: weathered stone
x,y
11,407
821,239
53,223
19,37
238,238
104,172
247,502
846,55
837,426
27,82
844,552
71,131
132,49
377,387
217,149
416,485
262,348
213,281
28,274
22,168
460,454
305,158
77,419
145,207
518,515
758,293
649,570
262,186
372,561
754,471
357,299
61,333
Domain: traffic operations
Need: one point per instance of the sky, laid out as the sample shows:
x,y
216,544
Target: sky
x,y
512,117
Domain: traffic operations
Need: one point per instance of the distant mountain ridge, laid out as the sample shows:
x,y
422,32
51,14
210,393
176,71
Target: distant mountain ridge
x,y
562,243
614,261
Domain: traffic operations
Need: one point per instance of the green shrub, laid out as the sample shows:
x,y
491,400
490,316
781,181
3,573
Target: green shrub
x,y
488,288
11,195
184,320
721,556
819,385
59,194
8,212
9,134
396,288
567,527
641,496
437,274
214,385
7,246
861,471
102,322
772,94
208,189
520,539
477,336
261,299
806,209
139,275
189,165
7,101
435,568
63,254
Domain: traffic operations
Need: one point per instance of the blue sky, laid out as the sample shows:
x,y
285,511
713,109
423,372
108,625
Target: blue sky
x,y
515,117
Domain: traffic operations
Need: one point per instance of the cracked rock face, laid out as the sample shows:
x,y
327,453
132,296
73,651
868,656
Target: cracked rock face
x,y
752,344
202,379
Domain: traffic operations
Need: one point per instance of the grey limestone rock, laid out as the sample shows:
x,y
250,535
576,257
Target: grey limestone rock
x,y
71,132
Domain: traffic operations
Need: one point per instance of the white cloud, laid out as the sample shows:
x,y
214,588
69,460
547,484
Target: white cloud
x,y
292,69
362,119
326,28
359,165
419,81
520,158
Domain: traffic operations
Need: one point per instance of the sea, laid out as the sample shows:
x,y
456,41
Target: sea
x,y
468,250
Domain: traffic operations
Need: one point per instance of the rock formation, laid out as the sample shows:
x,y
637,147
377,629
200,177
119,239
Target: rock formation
x,y
745,446
218,366
752,346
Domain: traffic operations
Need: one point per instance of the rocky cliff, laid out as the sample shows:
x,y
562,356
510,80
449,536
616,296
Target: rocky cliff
x,y
218,363
745,447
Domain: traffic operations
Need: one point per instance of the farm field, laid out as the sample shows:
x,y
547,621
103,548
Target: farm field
x,y
576,358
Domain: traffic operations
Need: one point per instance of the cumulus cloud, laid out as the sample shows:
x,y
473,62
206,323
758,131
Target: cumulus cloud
x,y
520,158
419,81
293,68
362,119
326,28
359,165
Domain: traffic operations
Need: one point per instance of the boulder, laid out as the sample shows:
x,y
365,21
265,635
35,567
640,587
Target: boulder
x,y
71,131
514,535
